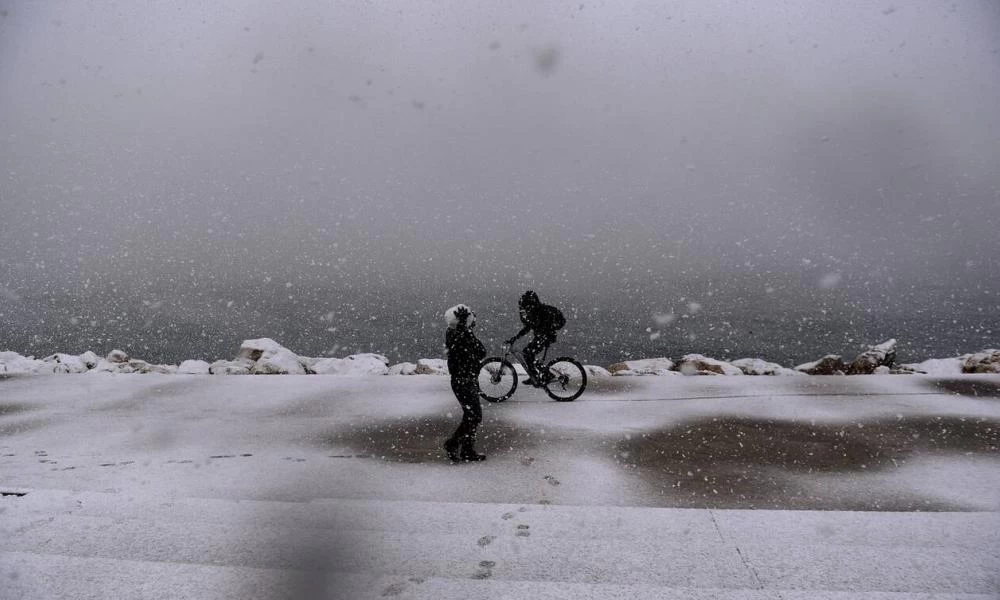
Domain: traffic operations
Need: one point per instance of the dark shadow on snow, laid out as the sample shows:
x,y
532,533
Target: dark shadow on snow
x,y
968,387
748,463
420,439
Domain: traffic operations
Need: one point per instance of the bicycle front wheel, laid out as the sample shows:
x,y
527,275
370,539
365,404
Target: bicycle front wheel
x,y
497,379
566,379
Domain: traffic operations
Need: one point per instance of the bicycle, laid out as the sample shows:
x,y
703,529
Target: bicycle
x,y
563,379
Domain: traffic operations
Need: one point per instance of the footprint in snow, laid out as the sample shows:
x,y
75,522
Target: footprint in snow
x,y
522,531
394,589
486,540
507,516
552,480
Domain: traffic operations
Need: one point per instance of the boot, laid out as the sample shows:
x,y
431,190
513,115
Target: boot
x,y
452,448
469,453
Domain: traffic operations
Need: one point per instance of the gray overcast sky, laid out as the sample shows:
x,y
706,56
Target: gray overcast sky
x,y
587,142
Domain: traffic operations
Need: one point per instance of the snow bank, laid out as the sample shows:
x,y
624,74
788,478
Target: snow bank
x,y
757,366
13,363
264,356
696,364
194,367
431,366
595,371
356,364
646,366
240,366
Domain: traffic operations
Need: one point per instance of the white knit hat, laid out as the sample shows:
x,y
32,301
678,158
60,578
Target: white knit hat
x,y
452,320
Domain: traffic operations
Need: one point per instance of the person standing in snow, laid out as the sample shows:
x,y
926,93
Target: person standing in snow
x,y
544,321
465,353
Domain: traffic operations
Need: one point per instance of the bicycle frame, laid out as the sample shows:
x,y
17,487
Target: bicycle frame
x,y
508,350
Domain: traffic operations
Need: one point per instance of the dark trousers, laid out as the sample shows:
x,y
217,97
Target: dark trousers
x,y
536,346
467,392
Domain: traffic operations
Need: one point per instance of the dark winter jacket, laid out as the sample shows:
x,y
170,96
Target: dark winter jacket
x,y
465,352
543,319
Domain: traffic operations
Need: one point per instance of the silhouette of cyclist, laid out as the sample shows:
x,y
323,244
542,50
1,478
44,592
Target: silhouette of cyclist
x,y
544,321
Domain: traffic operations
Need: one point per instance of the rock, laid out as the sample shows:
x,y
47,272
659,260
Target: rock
x,y
240,366
595,371
883,354
193,367
254,350
280,362
756,366
117,356
141,366
431,366
696,364
106,366
356,364
882,370
987,361
64,363
90,359
15,364
828,365
403,368
645,366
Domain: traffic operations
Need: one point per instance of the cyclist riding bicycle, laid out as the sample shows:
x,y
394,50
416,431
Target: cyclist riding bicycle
x,y
544,321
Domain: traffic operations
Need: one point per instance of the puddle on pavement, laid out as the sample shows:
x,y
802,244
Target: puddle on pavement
x,y
748,463
10,408
420,439
968,387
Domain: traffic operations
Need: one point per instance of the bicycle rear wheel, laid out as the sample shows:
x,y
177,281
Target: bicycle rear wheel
x,y
566,379
497,379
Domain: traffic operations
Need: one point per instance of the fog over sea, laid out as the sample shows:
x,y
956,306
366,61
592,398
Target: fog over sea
x,y
739,179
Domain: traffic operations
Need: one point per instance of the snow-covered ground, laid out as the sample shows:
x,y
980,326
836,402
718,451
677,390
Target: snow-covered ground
x,y
186,486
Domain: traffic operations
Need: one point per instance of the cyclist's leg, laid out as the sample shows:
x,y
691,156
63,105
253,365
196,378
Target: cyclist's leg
x,y
536,345
545,341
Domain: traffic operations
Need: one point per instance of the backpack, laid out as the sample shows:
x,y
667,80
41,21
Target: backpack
x,y
554,318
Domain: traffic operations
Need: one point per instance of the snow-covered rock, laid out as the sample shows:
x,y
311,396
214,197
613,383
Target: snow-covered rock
x,y
593,371
987,361
828,365
240,366
431,366
117,356
64,363
259,348
757,366
645,366
882,370
15,364
355,364
403,368
936,366
883,354
90,359
106,366
141,366
696,364
280,362
193,367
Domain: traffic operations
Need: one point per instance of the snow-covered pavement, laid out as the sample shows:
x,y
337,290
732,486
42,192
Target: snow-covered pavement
x,y
150,486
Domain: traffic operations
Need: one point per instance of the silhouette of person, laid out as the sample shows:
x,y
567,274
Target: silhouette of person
x,y
465,353
544,321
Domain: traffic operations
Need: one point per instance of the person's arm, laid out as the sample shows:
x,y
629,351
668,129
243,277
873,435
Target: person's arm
x,y
478,349
519,335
